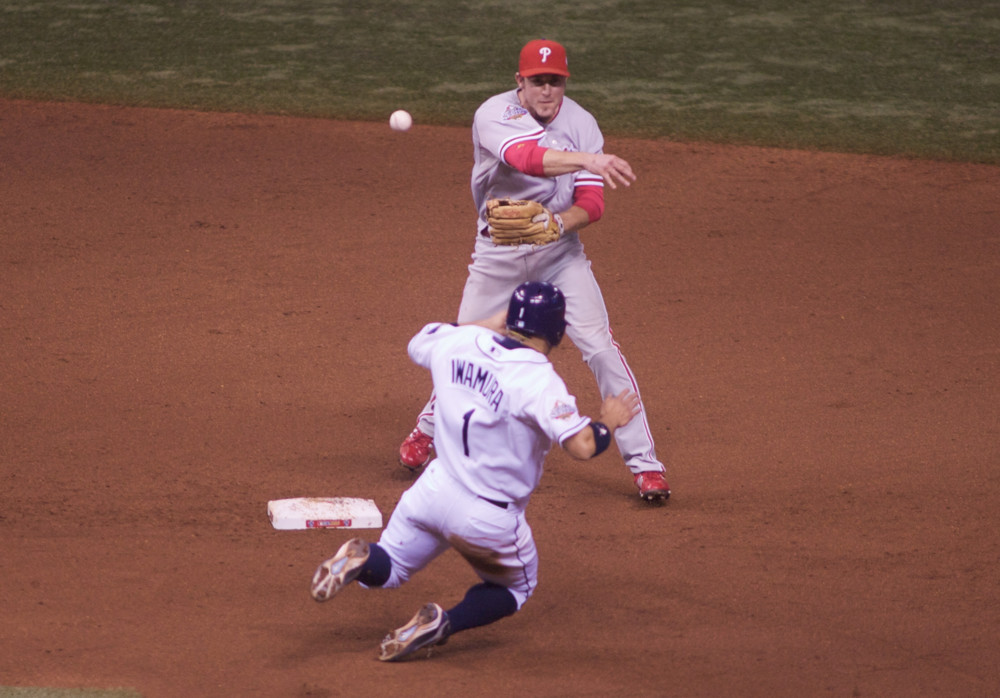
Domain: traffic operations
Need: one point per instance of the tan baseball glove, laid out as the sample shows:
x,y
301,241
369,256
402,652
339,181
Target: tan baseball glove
x,y
517,222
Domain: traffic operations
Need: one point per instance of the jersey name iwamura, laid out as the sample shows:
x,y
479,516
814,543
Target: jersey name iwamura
x,y
479,379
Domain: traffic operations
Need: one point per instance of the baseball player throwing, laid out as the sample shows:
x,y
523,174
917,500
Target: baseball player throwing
x,y
539,178
500,407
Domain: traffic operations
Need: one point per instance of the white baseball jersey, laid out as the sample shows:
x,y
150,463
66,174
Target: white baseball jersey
x,y
500,407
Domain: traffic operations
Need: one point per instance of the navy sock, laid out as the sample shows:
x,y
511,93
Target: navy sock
x,y
375,572
483,604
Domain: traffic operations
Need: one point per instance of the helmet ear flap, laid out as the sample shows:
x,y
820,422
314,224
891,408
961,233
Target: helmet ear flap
x,y
538,309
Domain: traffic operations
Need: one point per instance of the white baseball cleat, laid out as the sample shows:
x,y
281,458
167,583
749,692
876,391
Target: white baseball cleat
x,y
340,570
428,628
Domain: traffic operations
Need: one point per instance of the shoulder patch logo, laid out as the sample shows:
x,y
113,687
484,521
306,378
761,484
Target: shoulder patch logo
x,y
562,410
513,112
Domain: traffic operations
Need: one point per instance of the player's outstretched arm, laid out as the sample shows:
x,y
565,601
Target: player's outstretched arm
x,y
616,411
612,168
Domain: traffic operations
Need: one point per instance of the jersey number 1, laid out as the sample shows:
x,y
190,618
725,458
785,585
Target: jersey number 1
x,y
466,418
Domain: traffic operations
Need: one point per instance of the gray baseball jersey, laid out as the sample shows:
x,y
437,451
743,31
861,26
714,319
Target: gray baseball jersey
x,y
502,123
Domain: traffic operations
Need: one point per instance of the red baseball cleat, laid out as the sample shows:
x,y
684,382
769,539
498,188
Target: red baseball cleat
x,y
652,486
415,451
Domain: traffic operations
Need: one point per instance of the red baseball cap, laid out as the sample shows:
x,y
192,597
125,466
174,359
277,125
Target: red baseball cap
x,y
543,57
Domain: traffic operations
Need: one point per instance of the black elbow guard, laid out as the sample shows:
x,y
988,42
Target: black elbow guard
x,y
602,438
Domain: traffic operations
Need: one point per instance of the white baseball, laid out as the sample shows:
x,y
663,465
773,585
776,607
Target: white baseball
x,y
400,120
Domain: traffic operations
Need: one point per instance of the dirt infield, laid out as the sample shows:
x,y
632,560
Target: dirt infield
x,y
202,312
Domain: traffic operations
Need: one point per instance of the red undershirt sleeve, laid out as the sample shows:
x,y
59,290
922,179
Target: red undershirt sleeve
x,y
526,157
591,200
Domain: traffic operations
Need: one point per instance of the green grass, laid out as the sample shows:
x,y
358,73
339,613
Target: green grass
x,y
911,77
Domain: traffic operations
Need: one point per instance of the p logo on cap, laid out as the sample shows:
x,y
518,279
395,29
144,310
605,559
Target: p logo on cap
x,y
543,57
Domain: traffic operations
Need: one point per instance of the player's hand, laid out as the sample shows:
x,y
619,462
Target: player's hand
x,y
497,322
613,169
618,410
